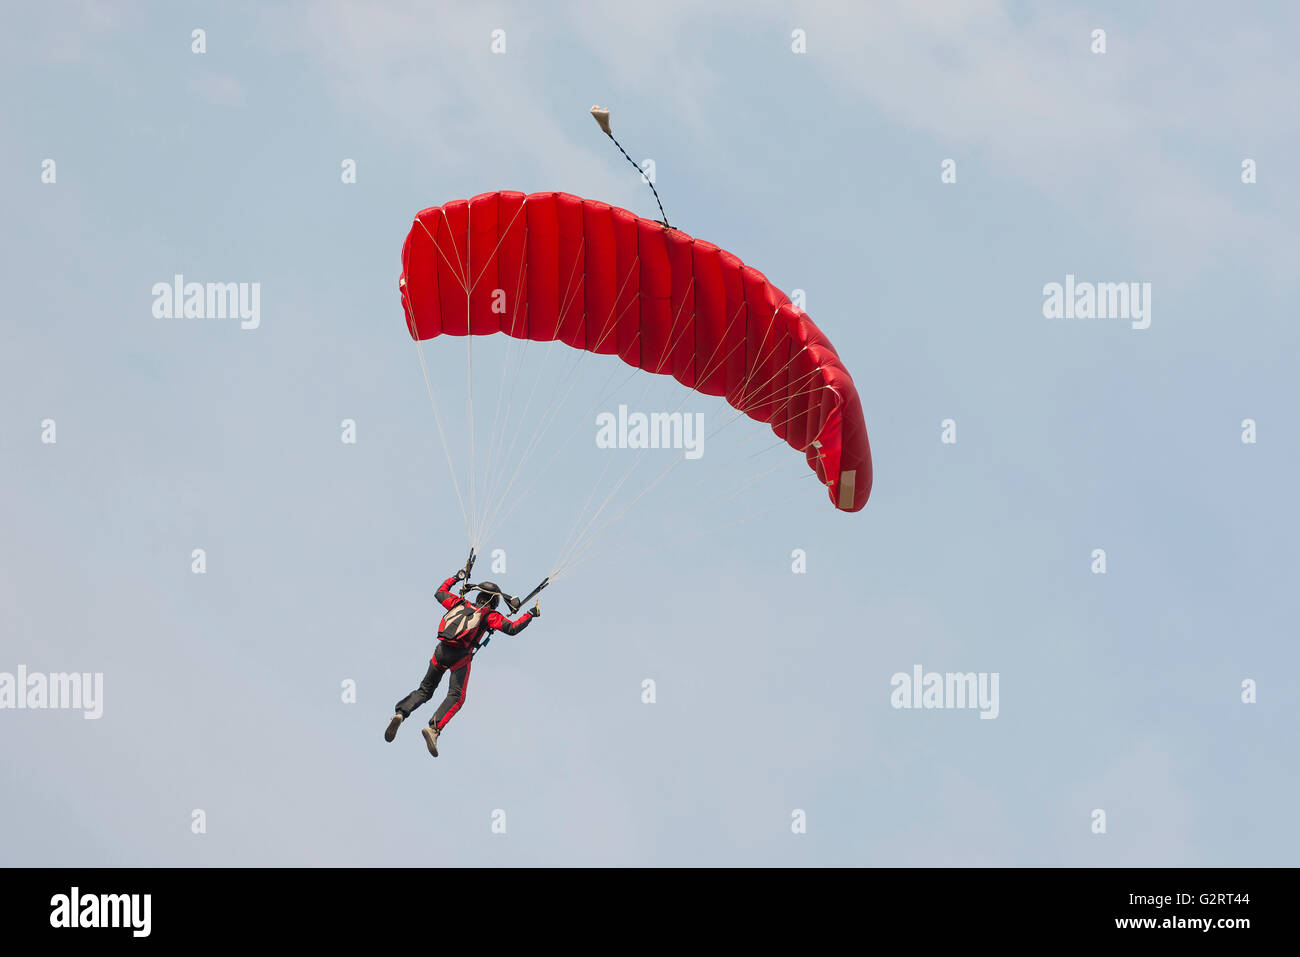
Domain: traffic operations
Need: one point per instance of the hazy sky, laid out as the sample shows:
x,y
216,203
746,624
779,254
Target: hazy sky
x,y
224,692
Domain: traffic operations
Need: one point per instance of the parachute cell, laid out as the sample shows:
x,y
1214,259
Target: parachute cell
x,y
552,266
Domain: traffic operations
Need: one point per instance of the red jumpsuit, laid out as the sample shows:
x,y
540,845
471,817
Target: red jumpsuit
x,y
455,654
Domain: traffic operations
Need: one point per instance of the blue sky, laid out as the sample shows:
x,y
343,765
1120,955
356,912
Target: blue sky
x,y
1119,692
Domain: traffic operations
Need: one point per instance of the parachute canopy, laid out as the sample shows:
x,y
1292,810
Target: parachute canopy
x,y
552,266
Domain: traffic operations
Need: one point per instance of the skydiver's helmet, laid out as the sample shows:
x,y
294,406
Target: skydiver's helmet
x,y
489,595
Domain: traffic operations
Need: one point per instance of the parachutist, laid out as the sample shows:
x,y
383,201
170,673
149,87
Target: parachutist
x,y
466,627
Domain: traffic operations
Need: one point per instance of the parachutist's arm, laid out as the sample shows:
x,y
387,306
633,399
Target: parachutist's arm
x,y
499,622
444,595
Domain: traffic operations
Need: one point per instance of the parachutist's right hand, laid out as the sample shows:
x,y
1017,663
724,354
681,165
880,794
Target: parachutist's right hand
x,y
535,611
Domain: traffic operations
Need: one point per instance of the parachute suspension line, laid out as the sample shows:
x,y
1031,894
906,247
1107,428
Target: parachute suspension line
x,y
563,443
677,542
758,434
554,408
500,456
602,117
567,558
476,517
564,557
584,545
438,246
571,288
498,431
494,503
583,553
492,441
740,414
469,373
786,463
763,451
498,435
775,398
536,432
551,410
453,264
569,541
750,481
515,432
533,436
790,463
568,561
670,342
794,415
501,239
771,324
437,418
754,479
736,415
751,394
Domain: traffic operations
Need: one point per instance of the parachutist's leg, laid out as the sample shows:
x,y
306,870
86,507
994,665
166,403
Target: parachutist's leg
x,y
456,689
423,693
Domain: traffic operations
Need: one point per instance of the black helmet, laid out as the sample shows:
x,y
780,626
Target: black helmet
x,y
489,594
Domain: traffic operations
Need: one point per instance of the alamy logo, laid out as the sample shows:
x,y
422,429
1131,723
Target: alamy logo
x,y
950,690
78,691
1100,300
179,299
102,910
658,430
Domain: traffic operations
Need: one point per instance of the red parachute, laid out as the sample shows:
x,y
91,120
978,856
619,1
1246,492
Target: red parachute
x,y
549,266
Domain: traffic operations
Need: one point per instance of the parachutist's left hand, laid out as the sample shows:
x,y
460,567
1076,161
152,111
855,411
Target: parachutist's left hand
x,y
460,573
536,610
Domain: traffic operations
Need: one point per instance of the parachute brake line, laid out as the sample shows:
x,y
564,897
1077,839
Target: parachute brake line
x,y
601,116
517,603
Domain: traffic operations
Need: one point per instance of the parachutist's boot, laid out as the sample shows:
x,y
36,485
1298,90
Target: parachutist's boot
x,y
431,739
393,726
